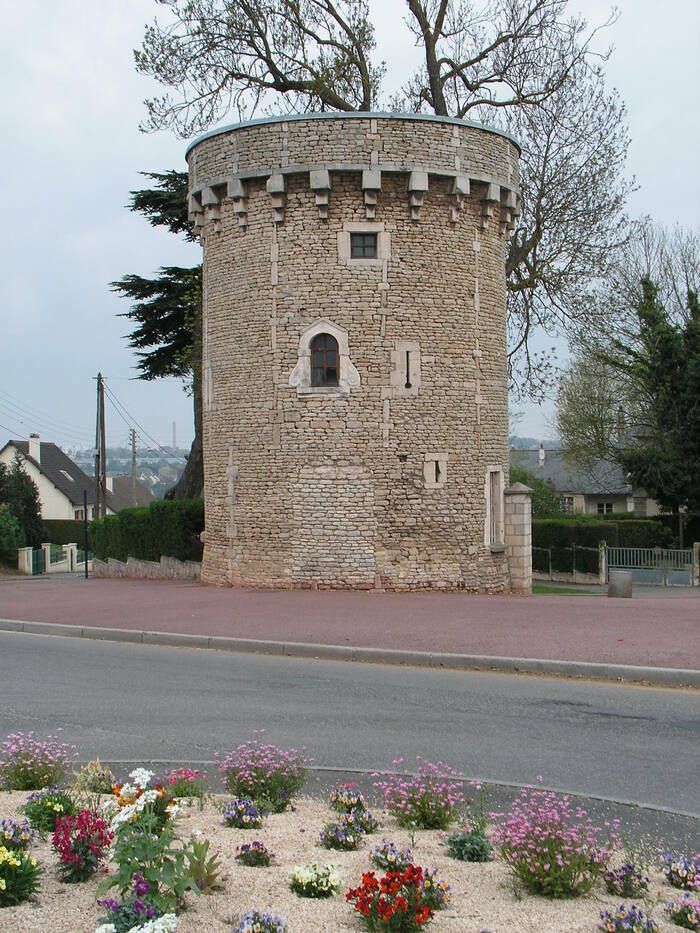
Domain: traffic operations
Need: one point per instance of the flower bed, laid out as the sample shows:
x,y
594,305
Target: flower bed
x,y
482,896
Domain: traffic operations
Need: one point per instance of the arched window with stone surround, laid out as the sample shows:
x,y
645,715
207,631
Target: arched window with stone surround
x,y
324,368
325,360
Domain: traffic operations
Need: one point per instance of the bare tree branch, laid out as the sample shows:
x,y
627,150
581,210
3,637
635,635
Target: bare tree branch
x,y
223,55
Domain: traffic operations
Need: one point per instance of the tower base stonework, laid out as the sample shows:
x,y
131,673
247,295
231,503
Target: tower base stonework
x,y
354,351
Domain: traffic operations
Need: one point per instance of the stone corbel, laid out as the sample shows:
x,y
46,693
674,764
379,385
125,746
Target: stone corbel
x,y
371,186
459,190
277,189
320,184
488,205
417,186
211,204
236,190
508,208
195,212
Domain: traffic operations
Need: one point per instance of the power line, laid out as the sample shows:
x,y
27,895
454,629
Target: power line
x,y
143,432
38,422
12,431
36,413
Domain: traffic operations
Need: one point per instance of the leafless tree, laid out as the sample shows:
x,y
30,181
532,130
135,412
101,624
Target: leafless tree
x,y
240,55
525,66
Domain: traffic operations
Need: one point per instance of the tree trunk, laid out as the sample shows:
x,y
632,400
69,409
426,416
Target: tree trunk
x,y
191,483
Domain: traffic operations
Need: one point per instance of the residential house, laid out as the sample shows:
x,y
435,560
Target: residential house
x,y
61,482
601,489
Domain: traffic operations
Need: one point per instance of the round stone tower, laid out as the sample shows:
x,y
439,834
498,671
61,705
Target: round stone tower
x,y
354,357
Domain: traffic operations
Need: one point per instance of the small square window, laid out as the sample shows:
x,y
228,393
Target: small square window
x,y
363,246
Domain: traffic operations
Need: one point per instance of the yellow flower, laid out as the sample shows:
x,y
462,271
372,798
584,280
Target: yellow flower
x,y
3,884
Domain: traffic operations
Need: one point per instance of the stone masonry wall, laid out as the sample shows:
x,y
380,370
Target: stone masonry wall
x,y
382,483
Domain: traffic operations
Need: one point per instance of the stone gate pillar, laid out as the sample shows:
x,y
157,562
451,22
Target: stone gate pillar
x,y
518,524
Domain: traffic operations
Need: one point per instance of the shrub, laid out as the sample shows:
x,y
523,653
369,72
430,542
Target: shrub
x,y
45,807
341,835
81,842
682,872
65,531
27,764
19,876
259,921
389,858
169,528
254,855
136,909
242,813
16,834
10,535
314,881
93,778
185,782
204,869
550,848
626,920
268,775
626,881
429,799
469,845
685,912
394,902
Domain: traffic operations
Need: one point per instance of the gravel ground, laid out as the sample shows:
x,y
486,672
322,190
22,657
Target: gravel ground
x,y
483,900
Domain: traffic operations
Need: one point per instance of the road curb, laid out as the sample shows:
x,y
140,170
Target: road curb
x,y
656,676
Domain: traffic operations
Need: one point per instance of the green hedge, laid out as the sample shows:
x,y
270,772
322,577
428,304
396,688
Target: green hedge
x,y
562,536
65,531
168,528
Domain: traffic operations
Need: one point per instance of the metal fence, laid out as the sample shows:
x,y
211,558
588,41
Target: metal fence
x,y
653,566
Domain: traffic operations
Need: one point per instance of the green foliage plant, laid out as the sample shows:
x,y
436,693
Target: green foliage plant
x,y
469,845
142,847
203,868
19,876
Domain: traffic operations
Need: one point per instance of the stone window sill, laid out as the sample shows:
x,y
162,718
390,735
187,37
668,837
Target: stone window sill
x,y
323,391
497,548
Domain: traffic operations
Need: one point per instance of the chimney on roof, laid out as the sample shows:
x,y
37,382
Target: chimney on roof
x,y
110,484
541,457
35,447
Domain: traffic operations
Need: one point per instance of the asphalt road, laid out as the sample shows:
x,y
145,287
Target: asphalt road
x,y
132,702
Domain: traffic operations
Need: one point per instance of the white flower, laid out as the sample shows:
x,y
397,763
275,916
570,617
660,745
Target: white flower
x,y
106,928
165,924
141,776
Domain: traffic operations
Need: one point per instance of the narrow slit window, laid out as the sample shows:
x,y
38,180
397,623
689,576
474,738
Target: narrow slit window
x,y
325,362
363,246
408,370
495,508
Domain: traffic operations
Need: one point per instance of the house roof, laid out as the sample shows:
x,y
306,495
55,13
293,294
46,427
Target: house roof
x,y
602,478
58,467
126,495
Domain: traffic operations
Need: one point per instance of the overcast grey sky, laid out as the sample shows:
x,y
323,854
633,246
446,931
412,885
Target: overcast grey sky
x,y
70,109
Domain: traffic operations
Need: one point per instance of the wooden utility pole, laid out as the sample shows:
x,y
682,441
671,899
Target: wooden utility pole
x,y
132,434
100,452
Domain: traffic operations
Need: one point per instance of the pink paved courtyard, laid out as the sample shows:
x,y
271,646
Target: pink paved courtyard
x,y
650,629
